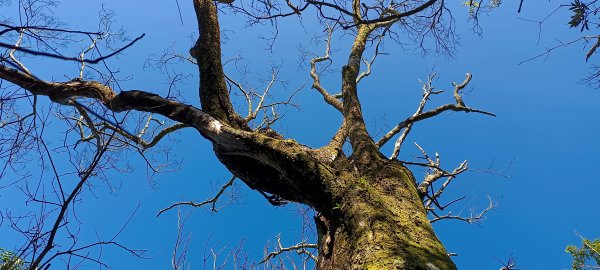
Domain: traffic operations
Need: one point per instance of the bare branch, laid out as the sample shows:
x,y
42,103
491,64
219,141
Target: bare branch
x,y
436,174
212,201
262,97
331,100
11,54
64,92
143,143
369,63
85,175
458,107
427,91
44,28
566,44
178,259
76,59
82,55
299,248
592,49
471,219
458,87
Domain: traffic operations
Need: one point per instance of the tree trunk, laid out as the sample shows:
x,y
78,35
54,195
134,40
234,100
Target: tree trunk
x,y
378,222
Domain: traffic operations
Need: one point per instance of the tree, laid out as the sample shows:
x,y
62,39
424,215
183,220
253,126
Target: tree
x,y
371,211
588,252
8,261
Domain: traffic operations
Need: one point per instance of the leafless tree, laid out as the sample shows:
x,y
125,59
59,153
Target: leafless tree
x,y
370,211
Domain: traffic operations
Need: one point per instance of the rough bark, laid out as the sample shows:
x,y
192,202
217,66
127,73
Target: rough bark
x,y
213,92
363,145
378,222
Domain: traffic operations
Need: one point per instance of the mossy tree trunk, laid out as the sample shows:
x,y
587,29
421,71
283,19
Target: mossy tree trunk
x,y
378,222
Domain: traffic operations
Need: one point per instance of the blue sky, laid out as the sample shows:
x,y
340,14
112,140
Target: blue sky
x,y
544,135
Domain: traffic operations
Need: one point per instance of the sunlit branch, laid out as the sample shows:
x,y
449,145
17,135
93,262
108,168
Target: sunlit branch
x,y
82,55
11,54
262,97
473,218
458,107
299,248
245,92
369,64
178,259
436,173
427,91
90,125
331,100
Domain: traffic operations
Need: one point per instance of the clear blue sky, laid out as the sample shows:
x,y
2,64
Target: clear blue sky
x,y
545,135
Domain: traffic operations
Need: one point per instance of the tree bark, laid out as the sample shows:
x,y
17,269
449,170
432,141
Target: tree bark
x,y
377,221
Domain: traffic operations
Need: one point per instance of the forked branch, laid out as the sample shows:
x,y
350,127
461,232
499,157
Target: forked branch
x,y
300,248
473,218
331,100
459,106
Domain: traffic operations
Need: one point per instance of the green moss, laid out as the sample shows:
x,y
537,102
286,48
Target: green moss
x,y
385,223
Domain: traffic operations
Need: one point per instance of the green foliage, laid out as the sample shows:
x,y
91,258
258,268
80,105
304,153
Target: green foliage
x,y
10,261
480,5
495,3
580,15
586,256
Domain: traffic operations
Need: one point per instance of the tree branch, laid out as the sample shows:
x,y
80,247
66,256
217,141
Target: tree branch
x,y
76,59
213,92
62,92
471,219
362,143
331,100
212,201
458,107
300,248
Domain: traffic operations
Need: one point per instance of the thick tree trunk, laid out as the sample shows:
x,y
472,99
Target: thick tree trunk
x,y
378,222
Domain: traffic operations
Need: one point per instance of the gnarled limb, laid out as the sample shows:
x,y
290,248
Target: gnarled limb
x,y
63,92
261,161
